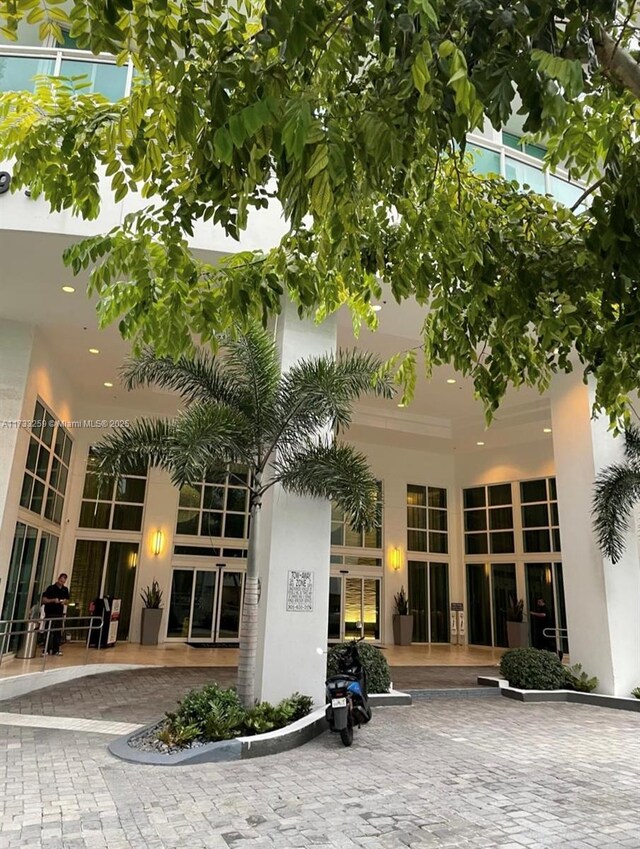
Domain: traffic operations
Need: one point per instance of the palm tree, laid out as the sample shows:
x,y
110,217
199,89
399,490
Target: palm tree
x,y
240,410
615,493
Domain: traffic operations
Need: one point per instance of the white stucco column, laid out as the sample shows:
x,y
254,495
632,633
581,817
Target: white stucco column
x,y
161,505
16,344
294,537
603,599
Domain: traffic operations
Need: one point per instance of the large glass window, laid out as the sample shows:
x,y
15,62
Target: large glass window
x,y
540,520
489,589
102,568
488,520
427,526
217,507
30,571
47,467
343,535
113,504
429,601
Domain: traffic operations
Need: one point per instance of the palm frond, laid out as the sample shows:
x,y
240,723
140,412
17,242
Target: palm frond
x,y
335,471
207,438
632,443
615,491
319,393
197,377
145,441
251,361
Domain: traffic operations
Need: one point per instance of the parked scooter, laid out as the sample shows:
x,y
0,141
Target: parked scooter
x,y
347,697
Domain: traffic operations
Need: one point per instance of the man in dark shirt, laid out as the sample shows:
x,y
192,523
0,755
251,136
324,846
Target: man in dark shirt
x,y
54,598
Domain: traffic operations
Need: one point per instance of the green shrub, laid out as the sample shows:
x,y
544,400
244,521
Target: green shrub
x,y
636,692
532,669
173,733
213,713
374,662
577,679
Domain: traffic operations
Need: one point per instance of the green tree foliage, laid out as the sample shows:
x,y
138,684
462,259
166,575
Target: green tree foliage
x,y
354,115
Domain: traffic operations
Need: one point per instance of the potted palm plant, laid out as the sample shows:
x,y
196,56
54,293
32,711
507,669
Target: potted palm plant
x,y
517,631
402,620
151,614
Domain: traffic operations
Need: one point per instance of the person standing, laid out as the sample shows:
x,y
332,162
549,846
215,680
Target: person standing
x,y
541,619
54,598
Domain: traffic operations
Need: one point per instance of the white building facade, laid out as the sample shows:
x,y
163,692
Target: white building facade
x,y
471,518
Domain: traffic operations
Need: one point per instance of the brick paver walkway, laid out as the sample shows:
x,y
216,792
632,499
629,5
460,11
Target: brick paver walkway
x,y
142,695
135,695
450,773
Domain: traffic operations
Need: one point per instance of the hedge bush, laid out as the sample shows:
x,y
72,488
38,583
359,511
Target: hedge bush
x,y
213,713
533,669
374,662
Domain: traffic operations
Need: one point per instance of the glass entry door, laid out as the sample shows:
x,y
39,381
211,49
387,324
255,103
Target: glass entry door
x,y
206,604
489,587
545,580
354,608
429,601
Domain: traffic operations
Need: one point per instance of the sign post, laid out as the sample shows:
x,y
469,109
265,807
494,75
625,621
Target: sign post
x,y
457,623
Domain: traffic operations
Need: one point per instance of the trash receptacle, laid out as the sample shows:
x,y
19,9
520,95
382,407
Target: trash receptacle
x,y
29,641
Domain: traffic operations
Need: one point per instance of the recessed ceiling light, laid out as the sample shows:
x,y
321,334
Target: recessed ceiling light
x,y
68,289
451,380
479,443
376,307
546,430
94,351
401,404
108,385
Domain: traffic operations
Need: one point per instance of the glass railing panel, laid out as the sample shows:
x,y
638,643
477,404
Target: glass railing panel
x,y
525,175
109,80
485,161
566,193
17,73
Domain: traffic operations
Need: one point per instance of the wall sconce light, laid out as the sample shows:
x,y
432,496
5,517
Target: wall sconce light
x,y
396,558
157,542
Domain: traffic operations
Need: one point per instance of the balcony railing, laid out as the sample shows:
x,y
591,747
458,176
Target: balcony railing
x,y
20,65
525,169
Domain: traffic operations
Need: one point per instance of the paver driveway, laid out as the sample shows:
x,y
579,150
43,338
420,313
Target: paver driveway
x,y
449,773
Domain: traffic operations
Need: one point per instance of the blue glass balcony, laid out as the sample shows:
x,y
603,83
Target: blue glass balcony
x,y
20,66
513,162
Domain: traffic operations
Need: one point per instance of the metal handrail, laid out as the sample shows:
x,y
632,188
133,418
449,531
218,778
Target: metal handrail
x,y
558,635
94,623
32,51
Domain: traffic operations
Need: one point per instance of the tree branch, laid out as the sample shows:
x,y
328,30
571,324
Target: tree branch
x,y
588,192
618,62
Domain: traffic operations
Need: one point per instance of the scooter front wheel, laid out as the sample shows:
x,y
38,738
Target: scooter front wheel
x,y
346,735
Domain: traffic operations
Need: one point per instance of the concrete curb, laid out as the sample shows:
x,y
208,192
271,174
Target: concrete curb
x,y
20,685
242,748
628,703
